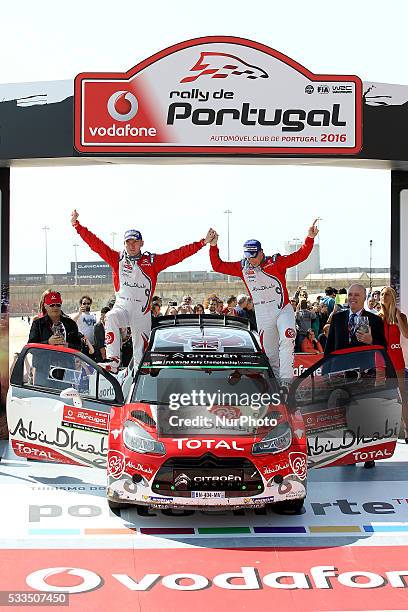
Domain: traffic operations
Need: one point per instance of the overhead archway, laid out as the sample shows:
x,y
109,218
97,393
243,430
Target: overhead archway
x,y
221,99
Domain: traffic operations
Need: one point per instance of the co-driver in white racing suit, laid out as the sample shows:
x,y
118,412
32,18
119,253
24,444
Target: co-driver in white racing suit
x,y
265,279
134,278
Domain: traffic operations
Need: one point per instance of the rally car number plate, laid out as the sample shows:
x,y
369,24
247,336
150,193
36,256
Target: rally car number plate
x,y
207,494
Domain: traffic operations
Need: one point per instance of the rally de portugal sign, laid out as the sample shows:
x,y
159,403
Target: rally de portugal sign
x,y
218,95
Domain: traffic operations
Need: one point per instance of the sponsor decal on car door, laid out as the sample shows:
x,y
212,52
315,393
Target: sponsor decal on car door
x,y
351,407
58,407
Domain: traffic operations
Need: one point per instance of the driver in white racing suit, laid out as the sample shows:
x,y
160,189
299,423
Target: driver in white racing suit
x,y
134,278
265,279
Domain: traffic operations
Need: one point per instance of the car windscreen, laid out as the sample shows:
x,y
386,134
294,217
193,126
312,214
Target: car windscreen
x,y
203,400
195,338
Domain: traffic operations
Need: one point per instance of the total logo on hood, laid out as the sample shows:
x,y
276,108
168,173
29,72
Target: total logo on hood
x,y
183,443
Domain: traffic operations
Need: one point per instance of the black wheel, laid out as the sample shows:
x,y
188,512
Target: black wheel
x,y
289,506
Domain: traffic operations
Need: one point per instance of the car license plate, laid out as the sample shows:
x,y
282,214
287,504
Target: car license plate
x,y
207,494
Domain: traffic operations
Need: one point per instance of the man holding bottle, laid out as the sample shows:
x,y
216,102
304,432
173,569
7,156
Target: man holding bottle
x,y
54,327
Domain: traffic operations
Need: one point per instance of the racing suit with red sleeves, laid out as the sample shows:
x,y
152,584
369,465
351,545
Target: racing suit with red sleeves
x,y
134,281
266,284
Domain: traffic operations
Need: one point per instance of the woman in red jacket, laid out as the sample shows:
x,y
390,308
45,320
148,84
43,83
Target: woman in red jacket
x,y
310,344
395,324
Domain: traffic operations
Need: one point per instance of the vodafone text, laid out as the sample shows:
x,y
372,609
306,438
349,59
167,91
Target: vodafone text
x,y
248,578
122,130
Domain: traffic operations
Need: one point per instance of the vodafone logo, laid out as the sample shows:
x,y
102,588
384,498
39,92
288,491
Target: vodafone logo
x,y
39,580
122,105
290,332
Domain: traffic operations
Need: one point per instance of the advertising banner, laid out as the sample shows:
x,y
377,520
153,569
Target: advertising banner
x,y
303,361
369,578
218,95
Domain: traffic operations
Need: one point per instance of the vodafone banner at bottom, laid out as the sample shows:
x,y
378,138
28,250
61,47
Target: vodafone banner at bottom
x,y
357,578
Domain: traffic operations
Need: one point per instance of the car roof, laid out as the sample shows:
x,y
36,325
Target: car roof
x,y
205,320
202,333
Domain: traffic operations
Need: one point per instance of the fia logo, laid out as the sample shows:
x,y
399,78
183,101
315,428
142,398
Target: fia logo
x,y
323,89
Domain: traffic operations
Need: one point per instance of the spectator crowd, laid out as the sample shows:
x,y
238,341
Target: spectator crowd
x,y
331,322
312,318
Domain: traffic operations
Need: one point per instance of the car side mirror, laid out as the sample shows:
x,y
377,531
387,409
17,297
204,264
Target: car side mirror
x,y
73,394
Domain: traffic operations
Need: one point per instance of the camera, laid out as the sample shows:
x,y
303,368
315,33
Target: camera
x,y
172,303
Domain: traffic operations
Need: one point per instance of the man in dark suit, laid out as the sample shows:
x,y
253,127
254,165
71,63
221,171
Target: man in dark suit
x,y
344,332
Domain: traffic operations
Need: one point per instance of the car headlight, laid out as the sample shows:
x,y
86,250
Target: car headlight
x,y
139,440
276,441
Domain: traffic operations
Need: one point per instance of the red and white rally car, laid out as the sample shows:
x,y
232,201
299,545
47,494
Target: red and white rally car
x,y
202,421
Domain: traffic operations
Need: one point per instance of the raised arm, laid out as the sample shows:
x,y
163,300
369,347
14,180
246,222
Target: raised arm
x,y
295,258
165,260
288,261
96,244
233,268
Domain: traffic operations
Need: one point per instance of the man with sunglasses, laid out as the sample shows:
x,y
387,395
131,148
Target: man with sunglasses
x,y
55,328
265,279
134,278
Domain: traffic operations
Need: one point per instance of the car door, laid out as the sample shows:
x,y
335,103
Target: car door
x,y
58,406
351,407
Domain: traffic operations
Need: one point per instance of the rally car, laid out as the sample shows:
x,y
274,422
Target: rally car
x,y
202,421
